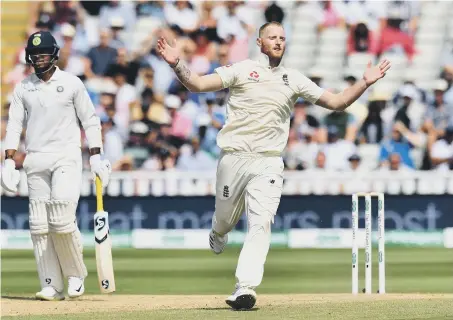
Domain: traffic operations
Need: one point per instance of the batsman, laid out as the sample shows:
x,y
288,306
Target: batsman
x,y
53,105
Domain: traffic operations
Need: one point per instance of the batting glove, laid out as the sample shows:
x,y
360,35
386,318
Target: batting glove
x,y
100,168
10,176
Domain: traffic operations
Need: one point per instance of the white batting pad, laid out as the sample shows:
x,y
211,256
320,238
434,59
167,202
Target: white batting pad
x,y
49,270
38,217
62,217
66,238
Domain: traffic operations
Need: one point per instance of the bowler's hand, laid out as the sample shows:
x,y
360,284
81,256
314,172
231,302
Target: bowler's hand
x,y
169,53
10,176
374,73
100,168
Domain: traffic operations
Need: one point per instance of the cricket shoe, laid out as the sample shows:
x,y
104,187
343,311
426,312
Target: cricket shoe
x,y
49,294
217,242
243,298
75,287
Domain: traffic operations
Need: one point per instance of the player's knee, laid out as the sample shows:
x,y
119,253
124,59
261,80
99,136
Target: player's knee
x,y
62,218
38,217
221,224
260,224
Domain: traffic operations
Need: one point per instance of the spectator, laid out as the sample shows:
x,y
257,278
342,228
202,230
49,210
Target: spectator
x,y
196,159
344,122
373,128
354,163
337,150
274,13
198,56
293,156
300,154
438,114
332,16
361,39
401,142
101,56
205,49
448,76
367,12
208,23
207,131
410,112
234,24
150,9
405,11
106,99
113,144
147,92
130,67
117,31
181,126
20,71
442,151
393,163
181,14
222,57
303,121
394,40
320,162
66,11
115,8
69,59
125,96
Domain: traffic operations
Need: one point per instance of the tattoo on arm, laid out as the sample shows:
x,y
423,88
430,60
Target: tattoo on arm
x,y
183,72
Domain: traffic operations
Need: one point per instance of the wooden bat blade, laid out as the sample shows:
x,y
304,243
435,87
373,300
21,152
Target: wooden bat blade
x,y
104,261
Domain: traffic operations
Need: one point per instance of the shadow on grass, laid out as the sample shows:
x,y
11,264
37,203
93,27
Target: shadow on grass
x,y
18,298
226,308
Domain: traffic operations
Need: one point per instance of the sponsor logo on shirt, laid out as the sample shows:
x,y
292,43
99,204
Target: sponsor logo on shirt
x,y
285,79
254,76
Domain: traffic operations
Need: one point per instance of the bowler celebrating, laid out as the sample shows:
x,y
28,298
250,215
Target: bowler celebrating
x,y
250,168
52,103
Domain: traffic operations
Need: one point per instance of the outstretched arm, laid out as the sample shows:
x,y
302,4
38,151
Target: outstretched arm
x,y
192,81
344,99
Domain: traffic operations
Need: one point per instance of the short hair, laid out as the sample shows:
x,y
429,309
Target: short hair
x,y
267,24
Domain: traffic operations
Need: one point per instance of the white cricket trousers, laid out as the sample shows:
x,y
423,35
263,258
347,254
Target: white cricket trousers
x,y
250,182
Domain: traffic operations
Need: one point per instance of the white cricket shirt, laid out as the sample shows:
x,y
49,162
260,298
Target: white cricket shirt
x,y
260,104
51,112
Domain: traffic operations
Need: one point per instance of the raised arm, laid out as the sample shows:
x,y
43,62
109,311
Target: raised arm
x,y
344,99
192,81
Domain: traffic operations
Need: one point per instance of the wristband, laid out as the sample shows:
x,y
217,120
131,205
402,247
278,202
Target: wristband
x,y
174,66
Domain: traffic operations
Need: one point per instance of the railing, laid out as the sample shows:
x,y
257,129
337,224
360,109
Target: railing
x,y
177,183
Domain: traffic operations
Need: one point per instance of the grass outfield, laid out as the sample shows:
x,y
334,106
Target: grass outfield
x,y
198,272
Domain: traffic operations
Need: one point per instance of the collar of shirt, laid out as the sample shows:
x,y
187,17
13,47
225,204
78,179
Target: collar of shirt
x,y
263,59
56,75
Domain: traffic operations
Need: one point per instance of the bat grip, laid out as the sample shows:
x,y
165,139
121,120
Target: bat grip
x,y
99,201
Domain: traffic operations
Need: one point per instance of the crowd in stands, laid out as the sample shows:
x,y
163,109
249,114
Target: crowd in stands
x,y
151,122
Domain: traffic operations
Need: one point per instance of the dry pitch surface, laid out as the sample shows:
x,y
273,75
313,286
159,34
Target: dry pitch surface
x,y
293,306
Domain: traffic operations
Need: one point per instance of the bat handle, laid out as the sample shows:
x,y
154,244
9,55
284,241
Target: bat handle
x,y
99,200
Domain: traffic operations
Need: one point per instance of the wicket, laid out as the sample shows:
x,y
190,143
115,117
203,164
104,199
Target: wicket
x,y
368,241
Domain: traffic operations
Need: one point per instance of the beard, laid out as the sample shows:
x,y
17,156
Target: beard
x,y
273,54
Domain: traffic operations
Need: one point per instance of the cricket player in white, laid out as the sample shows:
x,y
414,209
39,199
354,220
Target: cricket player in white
x,y
51,103
250,169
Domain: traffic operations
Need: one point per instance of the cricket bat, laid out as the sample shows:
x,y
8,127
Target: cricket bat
x,y
104,262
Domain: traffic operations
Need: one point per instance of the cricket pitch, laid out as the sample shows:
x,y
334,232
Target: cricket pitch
x,y
25,306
